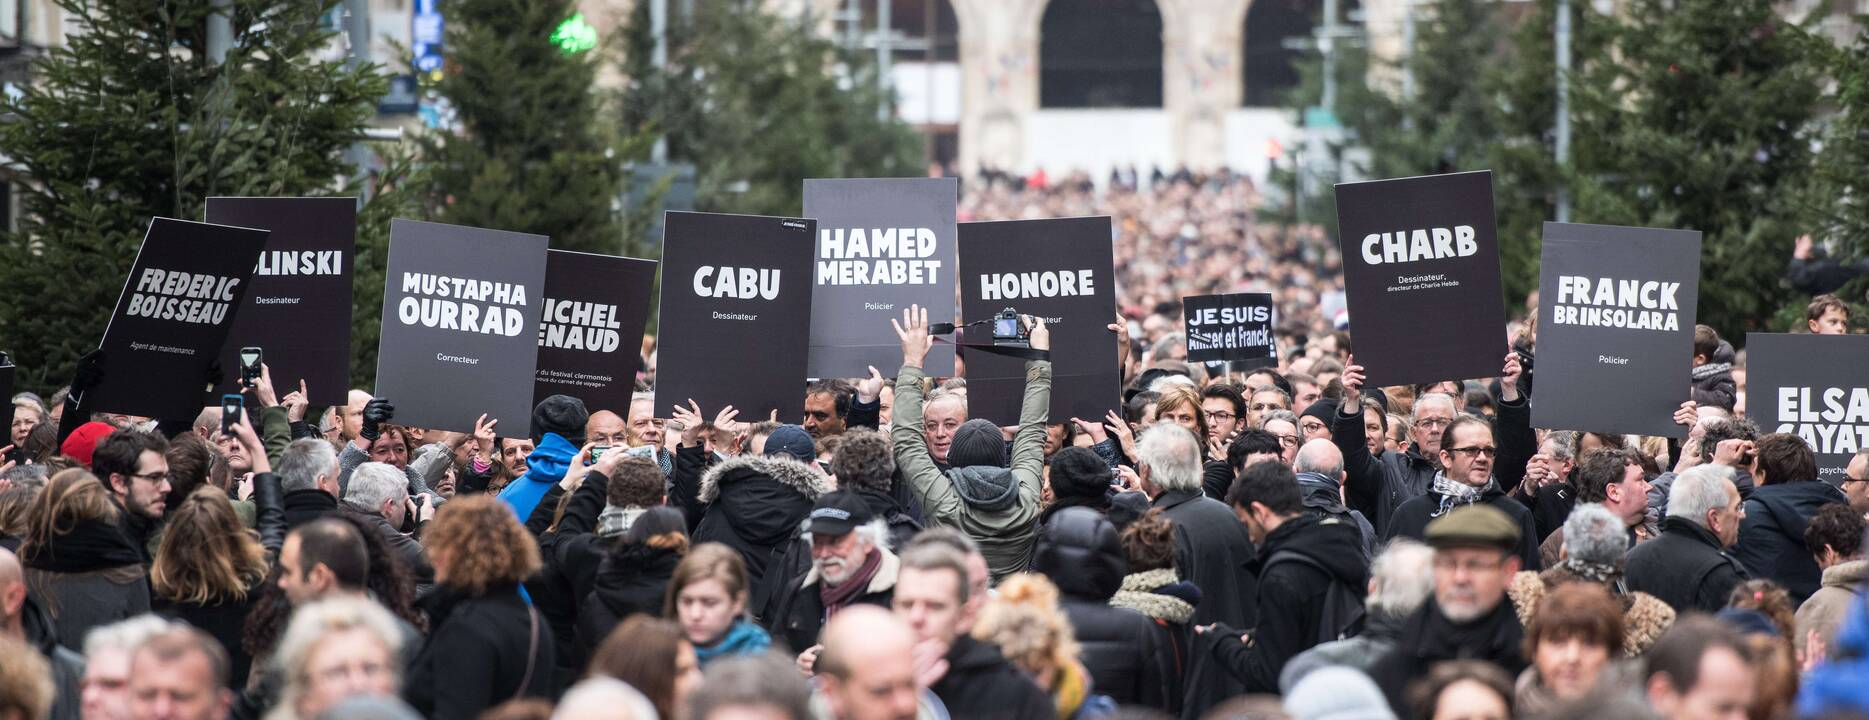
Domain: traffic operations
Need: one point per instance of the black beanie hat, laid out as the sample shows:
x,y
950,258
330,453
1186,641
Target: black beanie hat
x,y
1322,410
561,414
1078,472
977,442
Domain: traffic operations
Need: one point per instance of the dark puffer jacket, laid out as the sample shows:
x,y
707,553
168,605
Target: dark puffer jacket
x,y
754,504
631,579
1129,657
1771,538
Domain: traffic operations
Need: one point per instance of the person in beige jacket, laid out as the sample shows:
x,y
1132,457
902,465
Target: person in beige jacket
x,y
1834,537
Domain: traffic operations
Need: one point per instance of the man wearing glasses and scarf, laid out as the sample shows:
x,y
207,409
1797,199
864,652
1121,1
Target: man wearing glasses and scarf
x,y
1468,456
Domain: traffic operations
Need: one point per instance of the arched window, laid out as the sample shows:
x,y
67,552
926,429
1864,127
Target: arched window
x,y
1273,28
1100,53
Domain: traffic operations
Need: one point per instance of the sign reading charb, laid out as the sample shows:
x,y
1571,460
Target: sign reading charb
x,y
882,245
460,327
595,309
1616,321
1811,386
736,312
1421,276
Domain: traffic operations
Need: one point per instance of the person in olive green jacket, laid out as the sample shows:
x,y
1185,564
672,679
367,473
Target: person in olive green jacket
x,y
978,493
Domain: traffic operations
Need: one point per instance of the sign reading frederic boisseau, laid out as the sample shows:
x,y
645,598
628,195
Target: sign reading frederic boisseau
x,y
882,245
590,329
183,293
736,313
460,336
1615,320
1811,386
298,310
1234,327
1060,270
1421,275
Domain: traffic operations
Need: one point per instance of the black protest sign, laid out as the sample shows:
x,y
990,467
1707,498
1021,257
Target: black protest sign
x,y
461,310
1615,328
1811,386
1421,276
590,330
180,300
298,310
736,313
1235,327
1059,270
882,245
7,375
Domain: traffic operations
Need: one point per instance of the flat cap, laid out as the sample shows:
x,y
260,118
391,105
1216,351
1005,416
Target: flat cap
x,y
1475,525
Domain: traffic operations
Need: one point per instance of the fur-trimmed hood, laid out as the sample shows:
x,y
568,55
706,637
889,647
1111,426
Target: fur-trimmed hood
x,y
1148,593
1644,616
785,471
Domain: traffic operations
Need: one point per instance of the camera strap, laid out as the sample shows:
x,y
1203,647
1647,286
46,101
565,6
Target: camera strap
x,y
1023,353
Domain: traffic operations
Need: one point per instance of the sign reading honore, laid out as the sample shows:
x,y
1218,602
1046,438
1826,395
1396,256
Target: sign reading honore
x,y
882,245
461,312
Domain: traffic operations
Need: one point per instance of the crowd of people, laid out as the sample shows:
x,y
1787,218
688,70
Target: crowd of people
x,y
1286,541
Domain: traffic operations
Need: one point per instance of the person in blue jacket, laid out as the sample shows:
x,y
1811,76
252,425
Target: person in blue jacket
x,y
558,430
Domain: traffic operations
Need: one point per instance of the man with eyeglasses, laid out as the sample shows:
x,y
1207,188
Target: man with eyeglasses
x,y
132,466
1468,457
1377,486
1468,617
1225,410
1689,567
1263,401
1282,424
1856,483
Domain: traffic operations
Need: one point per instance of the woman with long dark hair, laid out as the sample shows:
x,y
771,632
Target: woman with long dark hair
x,y
633,576
207,571
79,563
651,655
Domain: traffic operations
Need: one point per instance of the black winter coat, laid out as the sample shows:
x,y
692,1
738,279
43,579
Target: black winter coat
x,y
798,615
791,562
303,506
981,683
1130,658
1771,538
1213,552
1684,567
1429,638
225,621
569,560
67,666
754,505
1377,487
1550,506
479,654
1291,596
1412,518
631,579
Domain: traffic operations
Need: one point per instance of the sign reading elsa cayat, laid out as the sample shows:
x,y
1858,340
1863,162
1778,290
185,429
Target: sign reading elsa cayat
x,y
461,308
1616,319
1812,386
882,245
736,314
1421,276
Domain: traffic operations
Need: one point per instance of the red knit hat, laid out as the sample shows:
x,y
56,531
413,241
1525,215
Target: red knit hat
x,y
83,441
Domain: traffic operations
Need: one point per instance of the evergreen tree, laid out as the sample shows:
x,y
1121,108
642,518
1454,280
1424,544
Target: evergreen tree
x,y
1704,122
131,120
530,156
1839,204
759,104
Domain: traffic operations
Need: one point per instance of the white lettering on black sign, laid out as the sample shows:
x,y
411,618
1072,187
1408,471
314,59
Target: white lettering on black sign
x,y
1831,420
464,304
740,283
1609,302
182,297
579,326
1051,284
880,256
296,262
1419,244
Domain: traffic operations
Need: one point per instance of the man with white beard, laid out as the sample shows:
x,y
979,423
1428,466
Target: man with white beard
x,y
850,564
1468,618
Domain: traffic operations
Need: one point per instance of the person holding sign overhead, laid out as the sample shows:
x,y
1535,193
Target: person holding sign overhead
x,y
978,494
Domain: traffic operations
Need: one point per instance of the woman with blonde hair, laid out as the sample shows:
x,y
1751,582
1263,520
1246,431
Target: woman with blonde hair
x,y
335,650
79,562
1025,621
1181,405
208,570
707,597
487,645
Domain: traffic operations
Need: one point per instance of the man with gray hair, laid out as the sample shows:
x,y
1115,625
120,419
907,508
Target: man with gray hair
x,y
1688,567
1211,548
850,565
379,496
1399,582
1596,540
1320,482
308,472
107,653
